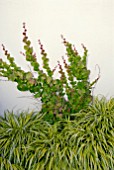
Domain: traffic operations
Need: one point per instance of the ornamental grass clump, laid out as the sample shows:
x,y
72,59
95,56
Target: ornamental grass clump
x,y
91,136
27,142
16,133
60,97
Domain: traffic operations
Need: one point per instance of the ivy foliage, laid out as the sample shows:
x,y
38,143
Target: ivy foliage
x,y
62,96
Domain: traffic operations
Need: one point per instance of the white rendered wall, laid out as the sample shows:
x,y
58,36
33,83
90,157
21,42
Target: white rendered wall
x,y
81,21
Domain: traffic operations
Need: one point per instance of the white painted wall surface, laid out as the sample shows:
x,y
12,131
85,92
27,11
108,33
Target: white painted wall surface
x,y
81,21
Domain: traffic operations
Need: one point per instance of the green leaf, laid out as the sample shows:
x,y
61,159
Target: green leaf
x,y
37,95
28,75
22,87
49,79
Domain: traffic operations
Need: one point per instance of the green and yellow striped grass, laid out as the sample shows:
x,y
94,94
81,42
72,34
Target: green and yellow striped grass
x,y
86,143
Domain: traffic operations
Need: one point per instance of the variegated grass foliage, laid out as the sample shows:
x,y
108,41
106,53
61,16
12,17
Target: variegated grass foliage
x,y
28,142
92,137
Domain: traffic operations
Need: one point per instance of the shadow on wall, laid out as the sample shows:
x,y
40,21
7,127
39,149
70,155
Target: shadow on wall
x,y
13,100
1,110
20,106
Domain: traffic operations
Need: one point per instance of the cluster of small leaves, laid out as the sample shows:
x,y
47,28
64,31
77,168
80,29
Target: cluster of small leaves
x,y
60,97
